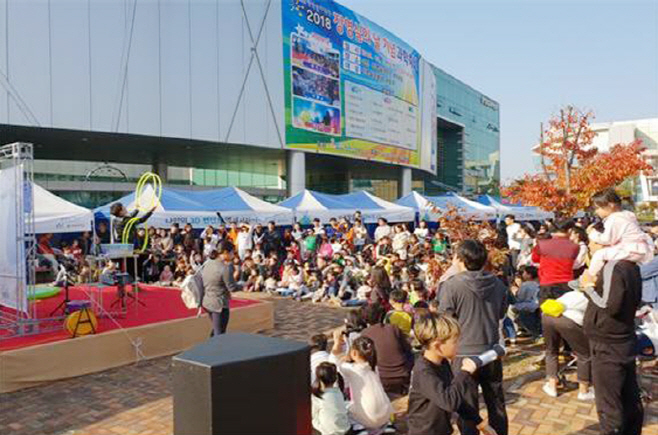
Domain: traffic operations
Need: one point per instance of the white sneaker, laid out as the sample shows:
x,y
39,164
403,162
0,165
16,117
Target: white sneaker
x,y
586,397
550,391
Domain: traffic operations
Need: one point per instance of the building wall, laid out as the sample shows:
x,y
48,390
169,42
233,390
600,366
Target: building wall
x,y
74,65
479,116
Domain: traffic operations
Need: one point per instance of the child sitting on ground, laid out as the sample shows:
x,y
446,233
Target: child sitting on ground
x,y
435,391
397,315
526,305
319,354
418,292
622,236
166,277
328,407
370,406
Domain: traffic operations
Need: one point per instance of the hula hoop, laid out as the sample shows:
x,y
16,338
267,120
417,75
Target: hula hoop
x,y
157,191
43,292
143,181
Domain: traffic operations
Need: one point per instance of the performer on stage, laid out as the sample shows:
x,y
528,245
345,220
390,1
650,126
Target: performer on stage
x,y
218,284
119,211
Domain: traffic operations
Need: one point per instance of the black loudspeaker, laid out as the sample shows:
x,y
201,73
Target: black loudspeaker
x,y
240,383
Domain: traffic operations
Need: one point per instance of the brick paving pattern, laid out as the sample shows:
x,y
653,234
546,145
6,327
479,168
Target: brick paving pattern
x,y
136,399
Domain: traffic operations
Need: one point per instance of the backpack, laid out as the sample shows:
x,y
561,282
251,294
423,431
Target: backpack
x,y
192,289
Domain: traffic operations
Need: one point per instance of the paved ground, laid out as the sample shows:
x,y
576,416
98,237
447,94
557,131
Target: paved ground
x,y
137,399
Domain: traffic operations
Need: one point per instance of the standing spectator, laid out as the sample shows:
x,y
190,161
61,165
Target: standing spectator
x,y
245,240
513,242
175,234
436,391
318,230
478,300
383,230
527,242
555,257
218,283
614,297
271,240
359,235
400,239
297,232
233,233
333,229
259,235
422,231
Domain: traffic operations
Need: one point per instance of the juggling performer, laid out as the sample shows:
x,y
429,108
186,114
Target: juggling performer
x,y
124,229
119,211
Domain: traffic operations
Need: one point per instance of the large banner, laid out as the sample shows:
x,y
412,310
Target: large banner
x,y
351,87
12,250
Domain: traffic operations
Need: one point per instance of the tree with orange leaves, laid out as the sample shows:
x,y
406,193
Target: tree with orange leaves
x,y
572,170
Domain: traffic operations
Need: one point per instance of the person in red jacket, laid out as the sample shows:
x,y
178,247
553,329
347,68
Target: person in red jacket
x,y
555,257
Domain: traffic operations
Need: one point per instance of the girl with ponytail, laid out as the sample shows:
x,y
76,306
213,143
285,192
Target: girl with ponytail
x,y
369,405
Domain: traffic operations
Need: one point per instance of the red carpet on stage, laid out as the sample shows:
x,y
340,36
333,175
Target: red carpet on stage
x,y
162,304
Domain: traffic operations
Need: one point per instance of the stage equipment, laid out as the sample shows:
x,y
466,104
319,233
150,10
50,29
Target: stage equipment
x,y
240,383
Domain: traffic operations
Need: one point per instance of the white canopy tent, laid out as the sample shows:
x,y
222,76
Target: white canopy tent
x,y
431,208
521,213
309,205
372,208
53,214
199,208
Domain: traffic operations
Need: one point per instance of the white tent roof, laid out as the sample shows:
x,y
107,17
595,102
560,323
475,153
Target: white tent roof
x,y
53,214
199,207
308,205
430,208
237,205
521,213
373,208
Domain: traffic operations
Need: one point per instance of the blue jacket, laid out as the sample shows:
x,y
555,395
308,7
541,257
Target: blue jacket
x,y
649,272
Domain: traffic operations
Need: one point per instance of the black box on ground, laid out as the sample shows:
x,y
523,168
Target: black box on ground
x,y
240,383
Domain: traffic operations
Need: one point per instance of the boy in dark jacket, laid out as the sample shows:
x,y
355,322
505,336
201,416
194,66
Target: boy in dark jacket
x,y
478,300
435,391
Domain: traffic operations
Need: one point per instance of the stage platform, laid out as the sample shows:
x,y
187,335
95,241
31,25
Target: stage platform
x,y
164,327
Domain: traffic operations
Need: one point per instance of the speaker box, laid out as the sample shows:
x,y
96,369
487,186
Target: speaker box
x,y
240,383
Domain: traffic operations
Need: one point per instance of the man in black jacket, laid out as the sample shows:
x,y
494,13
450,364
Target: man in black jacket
x,y
478,300
272,241
609,323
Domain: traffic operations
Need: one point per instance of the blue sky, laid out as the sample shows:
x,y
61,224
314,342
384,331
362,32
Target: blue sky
x,y
534,56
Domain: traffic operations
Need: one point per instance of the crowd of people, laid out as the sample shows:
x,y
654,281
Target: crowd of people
x,y
578,285
427,304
